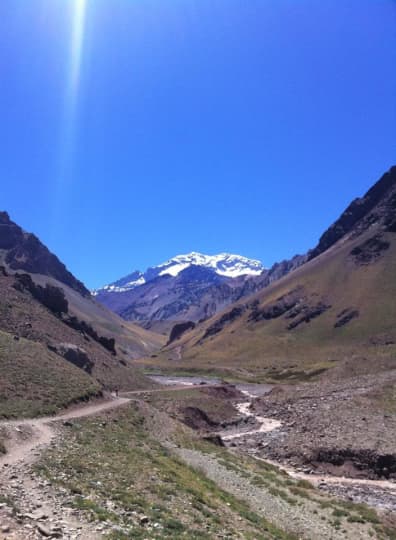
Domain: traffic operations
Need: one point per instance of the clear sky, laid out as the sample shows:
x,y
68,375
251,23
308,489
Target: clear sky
x,y
135,130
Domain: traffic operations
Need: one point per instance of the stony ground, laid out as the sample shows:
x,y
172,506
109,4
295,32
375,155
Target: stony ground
x,y
343,427
137,473
31,509
302,518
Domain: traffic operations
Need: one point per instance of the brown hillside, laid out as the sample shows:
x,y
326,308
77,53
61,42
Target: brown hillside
x,y
57,345
337,311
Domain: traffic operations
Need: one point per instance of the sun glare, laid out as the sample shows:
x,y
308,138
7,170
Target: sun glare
x,y
69,126
79,14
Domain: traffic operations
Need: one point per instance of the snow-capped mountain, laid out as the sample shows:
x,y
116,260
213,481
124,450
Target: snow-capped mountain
x,y
188,287
224,264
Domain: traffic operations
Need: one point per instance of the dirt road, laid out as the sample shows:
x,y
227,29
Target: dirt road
x,y
41,431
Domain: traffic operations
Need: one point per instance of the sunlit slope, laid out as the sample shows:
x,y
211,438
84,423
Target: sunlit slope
x,y
337,310
35,380
270,348
24,317
23,252
134,340
57,344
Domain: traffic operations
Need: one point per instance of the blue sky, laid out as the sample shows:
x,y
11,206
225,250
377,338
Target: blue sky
x,y
150,128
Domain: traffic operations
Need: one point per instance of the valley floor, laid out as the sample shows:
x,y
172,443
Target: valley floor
x,y
128,468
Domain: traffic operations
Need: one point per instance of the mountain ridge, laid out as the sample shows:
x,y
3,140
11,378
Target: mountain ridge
x,y
20,250
224,264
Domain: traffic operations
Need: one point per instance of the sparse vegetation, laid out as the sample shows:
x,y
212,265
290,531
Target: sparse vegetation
x,y
35,381
118,472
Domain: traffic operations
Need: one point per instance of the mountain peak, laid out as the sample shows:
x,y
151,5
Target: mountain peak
x,y
224,264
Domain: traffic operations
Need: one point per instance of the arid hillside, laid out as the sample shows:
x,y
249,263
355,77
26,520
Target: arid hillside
x,y
336,312
57,345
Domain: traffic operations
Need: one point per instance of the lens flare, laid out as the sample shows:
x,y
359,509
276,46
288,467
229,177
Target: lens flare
x,y
77,44
69,123
73,87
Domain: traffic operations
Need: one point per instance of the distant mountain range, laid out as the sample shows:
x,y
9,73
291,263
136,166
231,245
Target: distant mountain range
x,y
187,287
224,264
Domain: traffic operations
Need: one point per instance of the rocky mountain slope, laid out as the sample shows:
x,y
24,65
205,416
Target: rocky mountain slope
x,y
23,251
335,312
57,345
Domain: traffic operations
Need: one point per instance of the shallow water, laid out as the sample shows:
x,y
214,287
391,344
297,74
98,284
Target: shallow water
x,y
188,381
250,389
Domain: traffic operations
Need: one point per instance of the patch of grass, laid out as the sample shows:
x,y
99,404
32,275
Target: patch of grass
x,y
97,512
304,484
367,514
340,513
10,503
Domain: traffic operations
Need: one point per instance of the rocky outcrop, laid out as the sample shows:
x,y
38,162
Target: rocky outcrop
x,y
214,439
196,418
345,317
224,320
87,330
366,461
75,355
370,250
24,251
49,296
280,307
179,329
306,313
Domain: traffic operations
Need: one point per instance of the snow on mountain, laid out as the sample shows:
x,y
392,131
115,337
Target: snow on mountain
x,y
224,264
129,285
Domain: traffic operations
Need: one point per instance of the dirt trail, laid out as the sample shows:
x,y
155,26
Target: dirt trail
x,y
42,433
171,388
42,511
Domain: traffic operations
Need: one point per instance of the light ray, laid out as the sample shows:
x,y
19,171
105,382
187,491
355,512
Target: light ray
x,y
77,45
69,123
73,87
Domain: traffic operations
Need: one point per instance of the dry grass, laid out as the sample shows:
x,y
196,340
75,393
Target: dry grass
x,y
35,381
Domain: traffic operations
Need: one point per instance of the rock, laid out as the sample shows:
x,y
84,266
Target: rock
x,y
144,520
75,355
5,529
44,531
214,439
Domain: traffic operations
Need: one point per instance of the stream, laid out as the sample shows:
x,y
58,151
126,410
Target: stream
x,y
380,494
264,425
